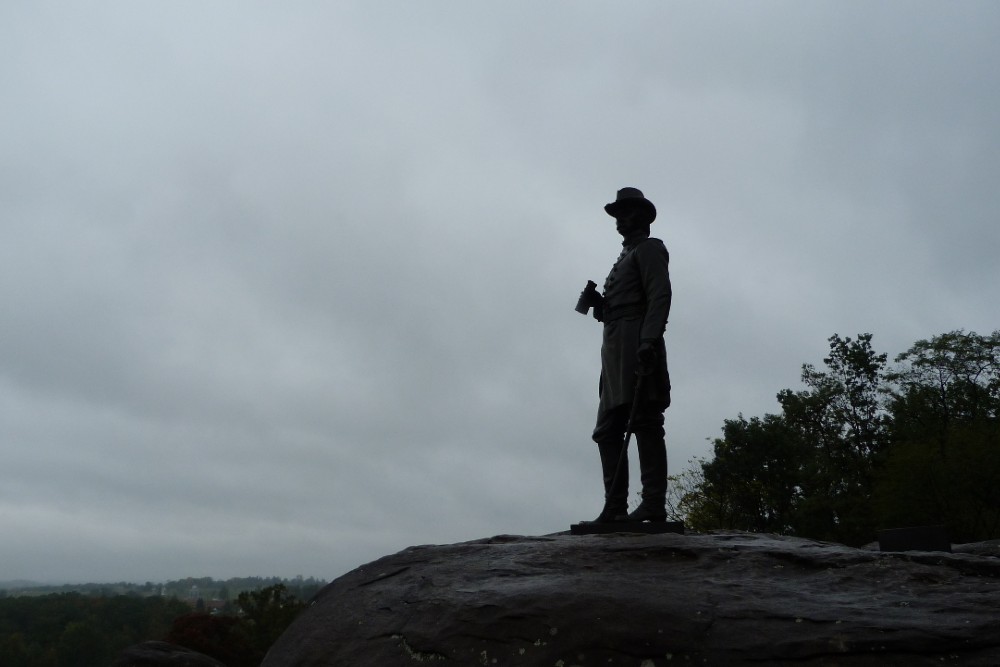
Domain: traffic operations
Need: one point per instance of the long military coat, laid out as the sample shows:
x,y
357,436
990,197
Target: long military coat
x,y
636,305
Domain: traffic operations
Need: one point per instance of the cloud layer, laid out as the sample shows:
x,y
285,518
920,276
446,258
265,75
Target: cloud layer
x,y
288,288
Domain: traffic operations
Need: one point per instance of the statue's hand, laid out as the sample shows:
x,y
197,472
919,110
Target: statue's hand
x,y
647,355
598,307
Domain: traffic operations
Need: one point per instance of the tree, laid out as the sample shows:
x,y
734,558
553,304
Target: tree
x,y
809,470
752,482
267,613
82,643
78,630
862,447
14,650
683,492
951,379
842,419
225,638
945,458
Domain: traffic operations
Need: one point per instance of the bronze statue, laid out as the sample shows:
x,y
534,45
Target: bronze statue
x,y
635,385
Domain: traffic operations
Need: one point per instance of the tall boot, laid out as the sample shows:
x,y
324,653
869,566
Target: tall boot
x,y
615,489
653,467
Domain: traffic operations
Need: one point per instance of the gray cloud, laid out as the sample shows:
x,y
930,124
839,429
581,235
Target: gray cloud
x,y
287,288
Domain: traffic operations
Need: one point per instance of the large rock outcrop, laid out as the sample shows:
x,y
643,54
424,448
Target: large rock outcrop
x,y
653,600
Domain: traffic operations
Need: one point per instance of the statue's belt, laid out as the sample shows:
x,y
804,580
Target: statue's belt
x,y
624,310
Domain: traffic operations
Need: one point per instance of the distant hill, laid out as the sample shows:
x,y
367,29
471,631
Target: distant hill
x,y
15,584
205,588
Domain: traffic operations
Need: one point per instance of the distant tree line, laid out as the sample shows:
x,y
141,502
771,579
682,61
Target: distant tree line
x,y
244,639
72,629
207,587
865,445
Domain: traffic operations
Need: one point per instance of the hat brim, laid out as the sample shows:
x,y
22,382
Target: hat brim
x,y
624,204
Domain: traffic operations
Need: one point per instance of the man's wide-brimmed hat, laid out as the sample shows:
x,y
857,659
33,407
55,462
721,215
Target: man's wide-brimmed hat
x,y
632,197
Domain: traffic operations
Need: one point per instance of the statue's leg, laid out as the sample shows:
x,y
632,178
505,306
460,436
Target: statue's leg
x,y
610,437
614,468
652,448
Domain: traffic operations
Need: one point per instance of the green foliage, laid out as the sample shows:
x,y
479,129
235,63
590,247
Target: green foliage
x,y
863,447
268,612
751,482
243,640
840,419
208,588
922,487
225,638
952,380
683,493
945,403
78,631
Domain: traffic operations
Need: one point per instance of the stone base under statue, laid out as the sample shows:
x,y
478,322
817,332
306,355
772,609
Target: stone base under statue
x,y
648,527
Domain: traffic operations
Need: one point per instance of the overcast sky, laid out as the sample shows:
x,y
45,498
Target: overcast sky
x,y
287,287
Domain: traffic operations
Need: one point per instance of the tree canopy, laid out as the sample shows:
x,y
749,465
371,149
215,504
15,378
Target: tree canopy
x,y
864,445
77,630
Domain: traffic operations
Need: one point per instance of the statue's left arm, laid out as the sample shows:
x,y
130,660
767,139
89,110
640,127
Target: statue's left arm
x,y
654,261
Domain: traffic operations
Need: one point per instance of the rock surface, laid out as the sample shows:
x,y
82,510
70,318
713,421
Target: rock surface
x,y
162,654
653,600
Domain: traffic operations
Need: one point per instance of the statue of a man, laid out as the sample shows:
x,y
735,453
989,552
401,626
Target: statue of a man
x,y
634,311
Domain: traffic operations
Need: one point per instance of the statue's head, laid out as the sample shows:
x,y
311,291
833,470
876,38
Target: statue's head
x,y
631,209
632,200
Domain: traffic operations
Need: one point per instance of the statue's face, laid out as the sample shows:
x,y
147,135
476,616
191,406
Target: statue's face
x,y
627,220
